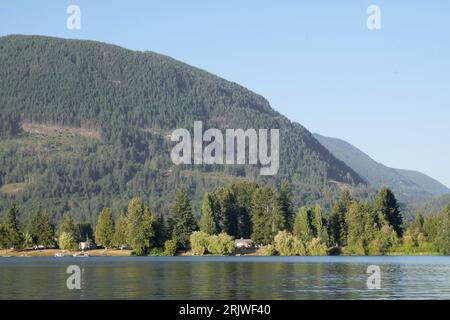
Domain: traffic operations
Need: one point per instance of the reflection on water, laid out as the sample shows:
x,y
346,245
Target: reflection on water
x,y
226,278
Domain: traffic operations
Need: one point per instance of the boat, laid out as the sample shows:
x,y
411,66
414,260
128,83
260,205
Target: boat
x,y
81,255
59,255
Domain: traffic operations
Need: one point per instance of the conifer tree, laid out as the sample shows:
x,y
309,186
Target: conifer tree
x,y
388,210
338,227
41,230
208,222
139,227
120,234
286,205
302,225
14,237
104,230
183,220
68,226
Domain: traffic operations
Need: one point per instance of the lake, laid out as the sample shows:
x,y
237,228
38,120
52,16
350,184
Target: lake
x,y
225,278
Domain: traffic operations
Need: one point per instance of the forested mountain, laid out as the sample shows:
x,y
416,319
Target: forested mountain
x,y
84,126
409,186
436,204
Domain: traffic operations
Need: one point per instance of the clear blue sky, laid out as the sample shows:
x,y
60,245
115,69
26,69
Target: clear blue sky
x,y
386,91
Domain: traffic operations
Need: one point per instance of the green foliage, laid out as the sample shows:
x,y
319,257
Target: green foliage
x,y
184,222
384,240
132,100
139,227
222,244
170,248
208,222
268,250
443,238
362,223
202,243
319,224
199,242
27,241
41,230
9,124
267,217
68,226
303,225
67,241
288,245
13,236
388,210
104,230
156,252
3,237
316,248
338,226
160,231
286,205
120,234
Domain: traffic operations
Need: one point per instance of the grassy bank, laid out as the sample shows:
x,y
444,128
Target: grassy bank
x,y
52,252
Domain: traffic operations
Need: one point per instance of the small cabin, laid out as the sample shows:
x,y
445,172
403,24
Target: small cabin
x,y
87,245
243,243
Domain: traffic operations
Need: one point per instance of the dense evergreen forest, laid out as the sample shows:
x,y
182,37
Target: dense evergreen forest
x,y
131,101
244,210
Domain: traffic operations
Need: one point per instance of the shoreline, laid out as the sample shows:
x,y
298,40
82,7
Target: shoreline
x,y
128,253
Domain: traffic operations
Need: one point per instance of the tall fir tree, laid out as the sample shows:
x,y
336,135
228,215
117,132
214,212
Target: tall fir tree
x,y
105,228
120,233
183,220
338,227
160,231
319,223
139,227
362,228
286,205
303,226
41,230
208,222
266,214
243,192
14,237
388,210
68,226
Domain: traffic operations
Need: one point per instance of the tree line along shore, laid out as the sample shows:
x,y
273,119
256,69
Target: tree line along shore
x,y
262,218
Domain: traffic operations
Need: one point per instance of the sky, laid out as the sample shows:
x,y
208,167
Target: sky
x,y
386,91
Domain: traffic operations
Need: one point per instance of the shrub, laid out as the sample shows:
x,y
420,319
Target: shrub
x,y
226,243
221,244
199,242
67,241
316,248
170,248
288,245
156,252
268,250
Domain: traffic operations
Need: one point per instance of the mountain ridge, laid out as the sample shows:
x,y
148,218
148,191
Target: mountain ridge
x,y
121,94
409,185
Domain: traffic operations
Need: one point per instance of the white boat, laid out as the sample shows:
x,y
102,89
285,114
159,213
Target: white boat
x,y
81,255
59,255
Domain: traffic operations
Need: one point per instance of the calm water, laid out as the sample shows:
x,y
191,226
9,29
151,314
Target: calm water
x,y
226,278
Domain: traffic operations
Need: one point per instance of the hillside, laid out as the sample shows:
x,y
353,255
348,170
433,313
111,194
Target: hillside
x,y
409,186
84,125
435,205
